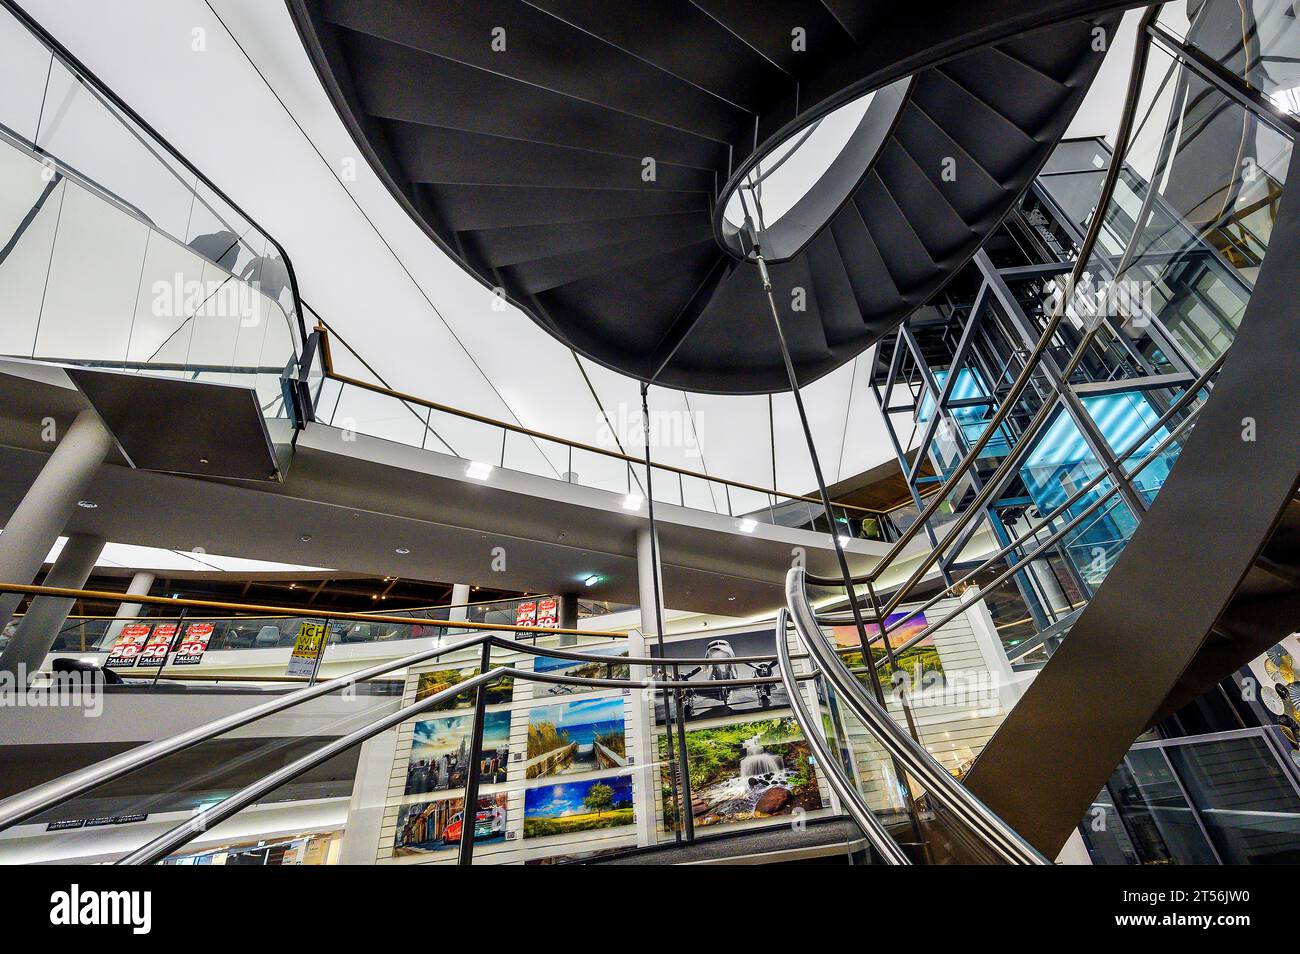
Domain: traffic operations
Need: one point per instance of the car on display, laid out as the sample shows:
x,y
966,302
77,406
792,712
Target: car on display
x,y
489,822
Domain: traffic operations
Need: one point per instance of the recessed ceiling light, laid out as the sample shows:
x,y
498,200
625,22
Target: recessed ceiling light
x,y
203,460
747,525
403,551
305,538
87,505
591,580
477,470
633,502
731,599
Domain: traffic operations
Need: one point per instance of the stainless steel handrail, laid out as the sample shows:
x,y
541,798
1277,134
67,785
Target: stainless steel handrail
x,y
937,782
212,815
853,803
24,805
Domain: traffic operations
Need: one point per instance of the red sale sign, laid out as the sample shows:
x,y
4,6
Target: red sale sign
x,y
130,643
526,614
548,612
193,644
155,650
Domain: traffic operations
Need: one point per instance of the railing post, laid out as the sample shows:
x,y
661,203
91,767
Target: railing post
x,y
469,809
320,653
171,645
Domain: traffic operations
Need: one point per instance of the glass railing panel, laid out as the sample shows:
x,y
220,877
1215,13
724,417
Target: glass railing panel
x,y
24,63
90,296
80,129
616,476
378,415
533,455
30,204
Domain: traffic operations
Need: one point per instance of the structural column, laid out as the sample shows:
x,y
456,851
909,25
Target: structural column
x,y
46,614
459,597
646,571
568,616
140,585
36,524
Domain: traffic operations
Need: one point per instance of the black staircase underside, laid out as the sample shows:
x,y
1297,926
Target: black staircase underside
x,y
516,134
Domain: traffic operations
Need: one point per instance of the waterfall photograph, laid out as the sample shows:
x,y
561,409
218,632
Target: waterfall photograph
x,y
746,771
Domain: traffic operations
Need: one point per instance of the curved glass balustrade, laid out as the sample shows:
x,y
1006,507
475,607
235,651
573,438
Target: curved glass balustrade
x,y
114,252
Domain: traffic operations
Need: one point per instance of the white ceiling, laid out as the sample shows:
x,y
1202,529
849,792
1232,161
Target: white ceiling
x,y
259,124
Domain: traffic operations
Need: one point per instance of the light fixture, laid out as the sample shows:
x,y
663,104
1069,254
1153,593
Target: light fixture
x,y
305,538
748,526
591,580
401,551
844,540
87,504
633,501
477,470
731,599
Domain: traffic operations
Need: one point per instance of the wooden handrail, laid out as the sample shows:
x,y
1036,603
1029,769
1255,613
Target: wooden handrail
x,y
261,610
327,363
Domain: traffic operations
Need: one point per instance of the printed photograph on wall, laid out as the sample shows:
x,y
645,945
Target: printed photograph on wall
x,y
556,665
440,752
436,680
584,805
585,735
915,661
427,827
710,701
744,771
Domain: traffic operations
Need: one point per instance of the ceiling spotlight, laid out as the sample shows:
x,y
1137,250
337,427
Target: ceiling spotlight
x,y
731,599
203,461
633,501
477,470
591,580
305,538
87,504
402,551
747,525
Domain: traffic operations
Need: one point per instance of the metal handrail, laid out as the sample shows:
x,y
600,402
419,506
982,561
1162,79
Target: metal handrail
x,y
937,781
214,814
327,365
24,805
858,810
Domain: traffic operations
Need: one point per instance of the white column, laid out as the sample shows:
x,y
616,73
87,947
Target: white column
x,y
646,570
459,597
46,614
140,585
36,524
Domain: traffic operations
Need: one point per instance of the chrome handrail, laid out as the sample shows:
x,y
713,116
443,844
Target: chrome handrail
x,y
937,781
24,805
214,814
858,810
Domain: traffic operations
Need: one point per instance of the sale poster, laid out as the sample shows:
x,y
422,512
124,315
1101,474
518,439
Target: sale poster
x,y
193,644
307,649
526,614
548,612
156,648
129,645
